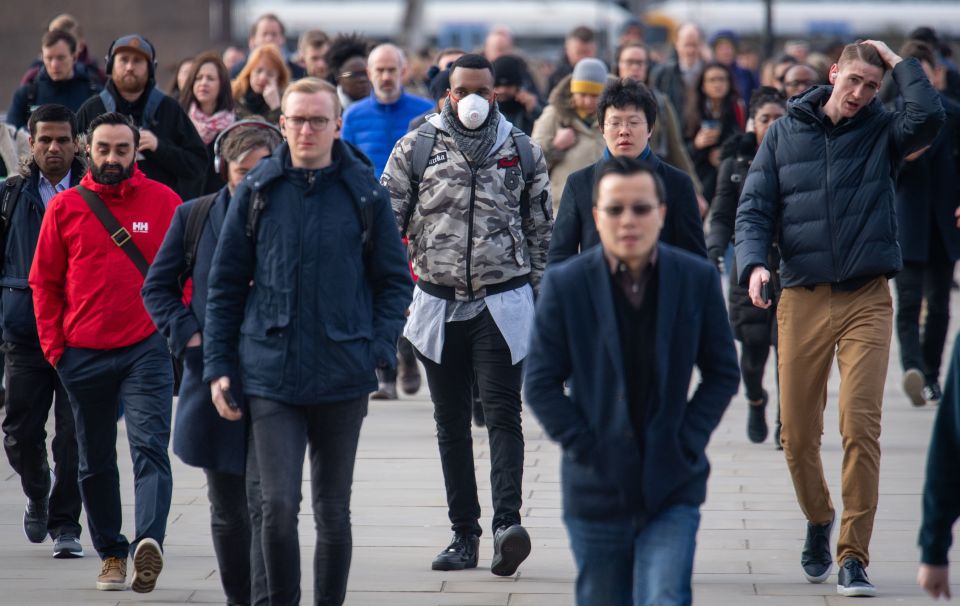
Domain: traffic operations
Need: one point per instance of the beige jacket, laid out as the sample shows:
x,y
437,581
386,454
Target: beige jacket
x,y
587,150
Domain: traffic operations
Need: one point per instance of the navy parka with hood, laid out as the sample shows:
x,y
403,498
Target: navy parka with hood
x,y
832,188
320,316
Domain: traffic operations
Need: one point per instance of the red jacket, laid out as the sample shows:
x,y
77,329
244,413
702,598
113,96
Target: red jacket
x,y
86,290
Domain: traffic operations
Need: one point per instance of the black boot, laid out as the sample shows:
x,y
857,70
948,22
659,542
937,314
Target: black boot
x,y
757,421
460,554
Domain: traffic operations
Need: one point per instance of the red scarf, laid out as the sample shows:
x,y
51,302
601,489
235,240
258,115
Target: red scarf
x,y
210,126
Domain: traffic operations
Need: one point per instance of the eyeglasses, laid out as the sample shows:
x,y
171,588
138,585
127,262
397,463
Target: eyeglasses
x,y
618,124
616,210
316,122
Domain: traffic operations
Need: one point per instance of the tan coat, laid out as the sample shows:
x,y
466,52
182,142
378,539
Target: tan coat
x,y
587,150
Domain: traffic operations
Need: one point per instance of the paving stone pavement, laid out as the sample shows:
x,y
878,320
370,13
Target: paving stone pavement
x,y
748,546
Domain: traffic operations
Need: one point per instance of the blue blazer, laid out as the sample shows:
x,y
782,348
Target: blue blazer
x,y
202,438
576,341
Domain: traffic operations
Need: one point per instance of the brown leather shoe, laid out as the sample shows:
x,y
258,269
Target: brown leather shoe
x,y
113,575
147,564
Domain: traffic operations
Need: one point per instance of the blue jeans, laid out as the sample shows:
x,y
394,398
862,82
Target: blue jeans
x,y
632,562
139,376
281,434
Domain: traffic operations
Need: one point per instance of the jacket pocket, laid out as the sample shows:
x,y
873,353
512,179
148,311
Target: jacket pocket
x,y
520,252
16,302
349,359
263,349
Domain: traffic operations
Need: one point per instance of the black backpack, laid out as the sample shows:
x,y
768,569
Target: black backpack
x,y
9,196
191,234
32,93
423,147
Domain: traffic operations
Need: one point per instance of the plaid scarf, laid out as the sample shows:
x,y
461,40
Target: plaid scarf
x,y
474,144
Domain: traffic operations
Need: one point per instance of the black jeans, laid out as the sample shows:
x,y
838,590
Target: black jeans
x,y
258,571
753,361
140,377
32,386
915,283
230,529
281,433
475,350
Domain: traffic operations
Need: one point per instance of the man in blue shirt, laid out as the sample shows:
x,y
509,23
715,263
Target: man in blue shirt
x,y
376,123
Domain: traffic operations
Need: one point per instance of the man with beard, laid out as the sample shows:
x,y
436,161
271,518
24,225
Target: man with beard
x,y
33,384
479,229
94,330
170,150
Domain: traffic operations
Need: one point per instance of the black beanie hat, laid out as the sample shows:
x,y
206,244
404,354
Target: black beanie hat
x,y
508,71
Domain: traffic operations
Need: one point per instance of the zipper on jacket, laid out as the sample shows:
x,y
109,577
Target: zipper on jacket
x,y
473,199
830,218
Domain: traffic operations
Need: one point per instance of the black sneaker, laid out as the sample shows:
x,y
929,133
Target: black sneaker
x,y
67,546
815,558
460,554
913,386
35,519
511,546
932,393
757,420
853,582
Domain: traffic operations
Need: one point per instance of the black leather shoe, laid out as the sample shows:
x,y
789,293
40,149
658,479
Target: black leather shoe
x,y
757,420
460,554
816,559
853,582
511,546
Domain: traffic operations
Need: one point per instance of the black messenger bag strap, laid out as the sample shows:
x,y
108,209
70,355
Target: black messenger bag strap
x,y
118,233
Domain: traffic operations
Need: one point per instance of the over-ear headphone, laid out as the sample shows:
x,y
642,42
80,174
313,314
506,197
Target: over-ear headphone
x,y
219,165
133,41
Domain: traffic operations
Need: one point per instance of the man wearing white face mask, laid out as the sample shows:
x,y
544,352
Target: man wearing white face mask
x,y
472,194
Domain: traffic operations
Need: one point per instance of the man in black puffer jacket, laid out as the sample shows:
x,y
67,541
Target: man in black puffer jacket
x,y
826,173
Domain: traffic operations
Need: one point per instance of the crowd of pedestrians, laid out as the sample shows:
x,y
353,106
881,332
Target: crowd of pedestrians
x,y
280,236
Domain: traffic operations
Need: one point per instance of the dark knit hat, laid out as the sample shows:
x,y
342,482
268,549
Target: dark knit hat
x,y
508,71
439,84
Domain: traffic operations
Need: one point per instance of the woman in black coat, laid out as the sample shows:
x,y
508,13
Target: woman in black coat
x,y
755,328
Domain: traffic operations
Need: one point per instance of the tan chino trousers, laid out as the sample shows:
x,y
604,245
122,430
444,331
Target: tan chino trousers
x,y
857,325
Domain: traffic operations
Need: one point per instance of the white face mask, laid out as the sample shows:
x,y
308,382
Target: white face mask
x,y
473,110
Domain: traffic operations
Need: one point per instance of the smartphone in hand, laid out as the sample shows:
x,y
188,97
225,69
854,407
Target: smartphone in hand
x,y
765,292
231,401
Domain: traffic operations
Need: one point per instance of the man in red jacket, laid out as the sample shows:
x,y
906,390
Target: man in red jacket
x,y
95,331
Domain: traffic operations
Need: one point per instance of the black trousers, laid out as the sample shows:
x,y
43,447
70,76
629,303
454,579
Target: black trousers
x,y
753,361
931,281
475,350
32,386
230,529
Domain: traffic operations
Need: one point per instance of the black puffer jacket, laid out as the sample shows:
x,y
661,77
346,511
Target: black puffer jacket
x,y
750,324
833,187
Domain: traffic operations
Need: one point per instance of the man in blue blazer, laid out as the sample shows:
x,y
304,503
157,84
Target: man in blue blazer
x,y
627,113
623,325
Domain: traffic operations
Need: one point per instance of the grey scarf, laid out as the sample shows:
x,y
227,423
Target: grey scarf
x,y
475,144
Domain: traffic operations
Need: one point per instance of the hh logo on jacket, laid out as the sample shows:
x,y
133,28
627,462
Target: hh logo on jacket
x,y
141,227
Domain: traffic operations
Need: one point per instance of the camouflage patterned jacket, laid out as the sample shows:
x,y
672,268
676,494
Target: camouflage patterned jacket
x,y
466,231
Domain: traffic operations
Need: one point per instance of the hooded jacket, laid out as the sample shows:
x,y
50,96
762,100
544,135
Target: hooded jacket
x,y
587,149
832,188
466,231
86,290
180,160
321,314
71,93
17,318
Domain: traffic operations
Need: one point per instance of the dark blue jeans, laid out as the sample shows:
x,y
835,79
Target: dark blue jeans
x,y
623,562
281,434
141,377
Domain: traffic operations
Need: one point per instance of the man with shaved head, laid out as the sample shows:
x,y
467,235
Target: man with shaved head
x,y
679,74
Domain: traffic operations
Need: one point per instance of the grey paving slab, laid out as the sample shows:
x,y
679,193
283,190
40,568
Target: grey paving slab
x,y
748,545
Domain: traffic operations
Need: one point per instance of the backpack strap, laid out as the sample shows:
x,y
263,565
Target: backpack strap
x,y
109,103
118,233
32,92
191,234
11,192
422,148
150,110
527,166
